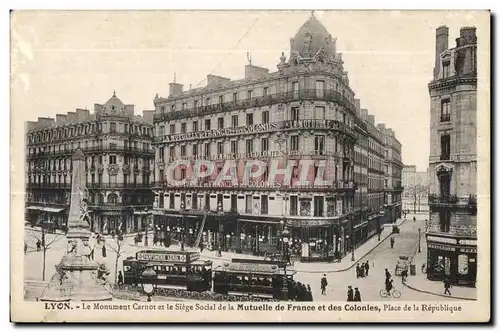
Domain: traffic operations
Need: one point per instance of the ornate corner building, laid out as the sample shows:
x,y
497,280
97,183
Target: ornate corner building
x,y
118,167
305,109
452,228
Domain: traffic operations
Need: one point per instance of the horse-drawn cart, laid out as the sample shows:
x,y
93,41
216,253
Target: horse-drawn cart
x,y
402,264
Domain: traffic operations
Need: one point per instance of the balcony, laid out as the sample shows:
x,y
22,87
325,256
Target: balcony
x,y
312,94
94,149
49,185
445,117
118,185
437,202
346,186
444,157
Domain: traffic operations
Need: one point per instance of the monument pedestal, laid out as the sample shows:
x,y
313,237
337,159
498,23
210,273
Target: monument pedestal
x,y
76,280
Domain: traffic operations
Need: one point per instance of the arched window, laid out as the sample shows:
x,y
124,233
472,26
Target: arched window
x,y
112,199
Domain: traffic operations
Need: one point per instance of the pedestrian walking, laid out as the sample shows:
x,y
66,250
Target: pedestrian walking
x,y
358,269
357,295
447,287
120,278
38,245
350,294
367,268
103,251
309,293
324,283
25,247
414,219
404,275
392,242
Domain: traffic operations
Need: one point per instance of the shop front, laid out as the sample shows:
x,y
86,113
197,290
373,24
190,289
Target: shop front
x,y
454,259
55,216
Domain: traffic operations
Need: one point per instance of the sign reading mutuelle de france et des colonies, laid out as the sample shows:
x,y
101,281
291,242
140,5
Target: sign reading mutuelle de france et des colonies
x,y
167,256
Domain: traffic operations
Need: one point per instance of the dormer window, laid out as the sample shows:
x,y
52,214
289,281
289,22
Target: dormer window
x,y
446,69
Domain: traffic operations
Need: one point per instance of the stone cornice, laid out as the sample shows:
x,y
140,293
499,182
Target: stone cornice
x,y
451,82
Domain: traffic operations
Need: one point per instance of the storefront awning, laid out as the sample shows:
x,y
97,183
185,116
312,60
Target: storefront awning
x,y
45,208
259,221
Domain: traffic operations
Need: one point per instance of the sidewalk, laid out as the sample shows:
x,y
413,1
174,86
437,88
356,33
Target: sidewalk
x,y
346,263
421,284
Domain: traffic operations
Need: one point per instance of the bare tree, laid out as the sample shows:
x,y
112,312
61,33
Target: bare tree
x,y
116,245
41,236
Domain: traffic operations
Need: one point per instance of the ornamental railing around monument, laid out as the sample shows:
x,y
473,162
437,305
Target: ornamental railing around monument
x,y
309,94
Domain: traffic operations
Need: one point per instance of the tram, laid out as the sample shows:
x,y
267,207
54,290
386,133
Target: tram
x,y
174,269
249,277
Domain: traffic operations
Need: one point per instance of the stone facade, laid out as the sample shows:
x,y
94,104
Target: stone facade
x,y
119,164
453,158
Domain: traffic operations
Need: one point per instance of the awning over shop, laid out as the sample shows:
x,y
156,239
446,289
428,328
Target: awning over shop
x,y
259,221
360,225
45,208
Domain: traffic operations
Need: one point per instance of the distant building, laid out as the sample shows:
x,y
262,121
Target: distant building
x,y
117,146
393,169
452,229
416,188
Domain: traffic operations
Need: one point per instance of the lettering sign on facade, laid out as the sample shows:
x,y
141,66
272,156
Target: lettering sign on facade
x,y
441,239
167,257
437,246
258,128
468,250
466,242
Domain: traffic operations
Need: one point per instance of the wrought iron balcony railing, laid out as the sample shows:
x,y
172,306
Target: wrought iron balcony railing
x,y
312,94
445,117
469,202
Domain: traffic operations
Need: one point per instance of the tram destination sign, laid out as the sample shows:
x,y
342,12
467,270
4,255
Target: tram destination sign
x,y
166,256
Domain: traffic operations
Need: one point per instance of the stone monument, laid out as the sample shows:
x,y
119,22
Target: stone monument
x,y
76,278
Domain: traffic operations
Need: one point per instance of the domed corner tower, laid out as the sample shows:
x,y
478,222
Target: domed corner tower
x,y
313,45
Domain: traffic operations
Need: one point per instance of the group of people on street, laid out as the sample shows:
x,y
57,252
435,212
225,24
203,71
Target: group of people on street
x,y
353,296
362,270
299,292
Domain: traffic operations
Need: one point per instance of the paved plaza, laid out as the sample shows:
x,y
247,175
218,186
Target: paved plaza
x,y
339,274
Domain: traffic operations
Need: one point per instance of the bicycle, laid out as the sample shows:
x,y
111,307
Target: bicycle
x,y
393,292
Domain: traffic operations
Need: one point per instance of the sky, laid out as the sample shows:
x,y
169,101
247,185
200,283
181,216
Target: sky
x,y
61,61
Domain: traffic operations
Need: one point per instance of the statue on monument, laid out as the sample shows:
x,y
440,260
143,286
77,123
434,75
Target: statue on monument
x,y
84,212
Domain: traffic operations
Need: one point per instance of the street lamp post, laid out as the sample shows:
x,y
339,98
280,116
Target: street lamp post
x,y
351,217
219,230
148,281
146,212
285,234
419,251
183,235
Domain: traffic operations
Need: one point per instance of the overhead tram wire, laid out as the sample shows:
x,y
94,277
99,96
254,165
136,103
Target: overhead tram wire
x,y
229,53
